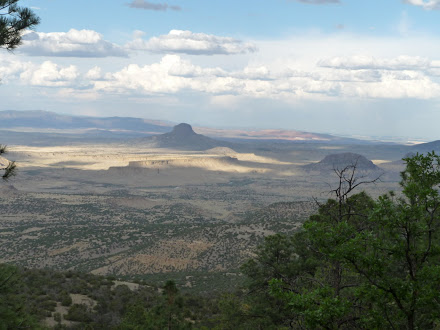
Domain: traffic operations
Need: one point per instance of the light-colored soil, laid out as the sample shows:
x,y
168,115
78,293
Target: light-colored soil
x,y
130,285
124,211
62,310
81,299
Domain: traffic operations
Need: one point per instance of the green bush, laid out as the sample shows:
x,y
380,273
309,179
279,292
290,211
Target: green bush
x,y
66,300
78,313
57,317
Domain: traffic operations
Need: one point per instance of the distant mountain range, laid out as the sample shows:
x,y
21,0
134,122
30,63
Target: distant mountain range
x,y
40,120
26,124
427,147
50,120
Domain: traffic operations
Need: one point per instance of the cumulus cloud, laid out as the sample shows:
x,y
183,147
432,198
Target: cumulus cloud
x,y
399,77
425,4
49,74
94,73
150,79
174,74
74,43
142,4
360,78
187,42
333,78
10,69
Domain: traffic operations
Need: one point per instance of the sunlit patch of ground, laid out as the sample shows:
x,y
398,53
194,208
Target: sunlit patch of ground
x,y
102,157
125,210
380,161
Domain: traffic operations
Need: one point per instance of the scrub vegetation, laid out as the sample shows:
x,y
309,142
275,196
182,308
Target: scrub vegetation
x,y
356,263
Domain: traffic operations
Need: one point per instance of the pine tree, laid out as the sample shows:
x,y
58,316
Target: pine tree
x,y
14,20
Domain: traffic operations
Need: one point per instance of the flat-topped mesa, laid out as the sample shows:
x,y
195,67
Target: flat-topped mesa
x,y
190,161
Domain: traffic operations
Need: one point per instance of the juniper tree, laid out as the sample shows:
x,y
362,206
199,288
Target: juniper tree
x,y
387,257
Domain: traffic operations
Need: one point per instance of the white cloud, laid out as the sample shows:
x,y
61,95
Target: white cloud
x,y
74,43
274,77
149,79
94,73
393,87
425,4
255,73
187,42
393,78
355,77
173,74
45,74
10,69
362,62
49,74
308,75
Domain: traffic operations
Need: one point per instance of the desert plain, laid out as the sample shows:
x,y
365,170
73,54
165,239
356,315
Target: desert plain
x,y
139,212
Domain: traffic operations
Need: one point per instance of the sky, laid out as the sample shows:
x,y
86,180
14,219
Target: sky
x,y
345,67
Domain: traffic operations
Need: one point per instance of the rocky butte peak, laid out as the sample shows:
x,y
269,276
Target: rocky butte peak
x,y
183,137
183,130
340,161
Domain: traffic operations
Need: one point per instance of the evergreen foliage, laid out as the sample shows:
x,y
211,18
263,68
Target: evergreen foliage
x,y
14,20
358,263
14,312
379,261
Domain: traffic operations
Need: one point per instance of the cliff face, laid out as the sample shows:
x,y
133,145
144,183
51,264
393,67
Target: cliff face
x,y
181,166
204,162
